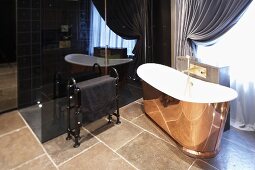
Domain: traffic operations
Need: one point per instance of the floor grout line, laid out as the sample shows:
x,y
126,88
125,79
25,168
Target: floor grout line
x,y
110,148
62,163
24,163
127,105
192,164
115,151
160,138
158,130
138,102
123,107
130,121
129,140
137,117
150,133
38,141
13,131
238,144
207,163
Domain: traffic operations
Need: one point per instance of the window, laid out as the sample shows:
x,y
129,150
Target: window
x,y
102,36
236,49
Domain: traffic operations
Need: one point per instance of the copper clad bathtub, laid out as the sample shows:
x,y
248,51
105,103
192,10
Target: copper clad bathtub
x,y
193,116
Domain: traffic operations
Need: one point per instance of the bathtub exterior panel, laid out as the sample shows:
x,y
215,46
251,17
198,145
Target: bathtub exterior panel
x,y
196,127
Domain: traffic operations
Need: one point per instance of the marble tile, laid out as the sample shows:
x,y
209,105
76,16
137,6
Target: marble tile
x,y
97,157
237,136
113,135
147,124
41,163
131,111
10,121
233,156
199,164
148,152
17,148
61,149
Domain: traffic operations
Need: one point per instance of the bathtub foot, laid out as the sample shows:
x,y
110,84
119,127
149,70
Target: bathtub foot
x,y
197,154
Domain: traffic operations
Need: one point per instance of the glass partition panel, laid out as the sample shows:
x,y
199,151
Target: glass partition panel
x,y
59,48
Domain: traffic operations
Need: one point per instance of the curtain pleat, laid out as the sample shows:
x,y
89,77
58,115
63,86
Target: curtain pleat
x,y
101,35
204,21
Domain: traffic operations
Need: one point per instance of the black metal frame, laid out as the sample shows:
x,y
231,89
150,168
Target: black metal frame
x,y
73,92
74,102
61,81
117,114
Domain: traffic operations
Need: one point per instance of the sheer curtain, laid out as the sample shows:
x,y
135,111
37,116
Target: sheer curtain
x,y
236,49
204,21
101,36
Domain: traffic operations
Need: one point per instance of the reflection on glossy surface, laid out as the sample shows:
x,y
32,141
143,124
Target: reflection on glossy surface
x,y
196,127
48,119
86,60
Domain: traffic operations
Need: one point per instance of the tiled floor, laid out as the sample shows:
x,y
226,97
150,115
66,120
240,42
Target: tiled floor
x,y
49,118
137,143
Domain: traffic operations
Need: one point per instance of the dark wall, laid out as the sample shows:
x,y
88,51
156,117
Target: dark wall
x,y
7,31
56,42
28,50
40,54
162,31
40,49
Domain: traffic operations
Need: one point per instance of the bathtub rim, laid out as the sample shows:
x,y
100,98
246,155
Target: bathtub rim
x,y
163,86
88,60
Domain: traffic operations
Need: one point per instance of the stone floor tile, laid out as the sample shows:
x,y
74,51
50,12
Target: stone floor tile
x,y
97,157
61,149
199,164
17,148
233,156
140,101
132,111
114,135
237,136
148,152
10,121
147,124
41,163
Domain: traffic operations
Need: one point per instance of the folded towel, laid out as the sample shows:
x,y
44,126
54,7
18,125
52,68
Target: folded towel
x,y
97,97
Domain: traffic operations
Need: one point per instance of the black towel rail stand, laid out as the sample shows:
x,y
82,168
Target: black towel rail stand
x,y
74,102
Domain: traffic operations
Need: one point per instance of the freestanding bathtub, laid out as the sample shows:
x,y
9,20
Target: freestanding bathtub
x,y
87,60
193,112
81,61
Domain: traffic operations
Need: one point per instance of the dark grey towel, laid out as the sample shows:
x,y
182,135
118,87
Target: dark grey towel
x,y
97,97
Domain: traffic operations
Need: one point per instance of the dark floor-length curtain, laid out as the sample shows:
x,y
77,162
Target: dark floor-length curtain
x,y
204,21
128,19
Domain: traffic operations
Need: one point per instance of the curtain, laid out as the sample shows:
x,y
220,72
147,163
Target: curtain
x,y
236,49
128,19
100,36
204,21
